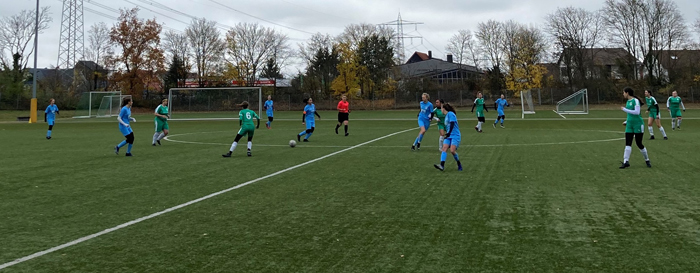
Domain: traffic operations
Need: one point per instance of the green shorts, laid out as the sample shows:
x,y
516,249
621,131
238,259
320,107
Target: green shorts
x,y
654,114
479,114
161,125
636,127
441,126
676,113
247,131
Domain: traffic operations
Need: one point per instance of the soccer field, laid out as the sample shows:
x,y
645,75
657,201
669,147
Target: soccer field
x,y
545,194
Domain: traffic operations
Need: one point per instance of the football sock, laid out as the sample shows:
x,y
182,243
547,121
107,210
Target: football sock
x,y
645,154
628,152
48,134
308,135
155,137
442,139
121,144
420,138
651,130
456,157
250,145
161,136
302,133
346,129
673,124
128,148
663,132
233,146
679,122
337,126
443,156
502,121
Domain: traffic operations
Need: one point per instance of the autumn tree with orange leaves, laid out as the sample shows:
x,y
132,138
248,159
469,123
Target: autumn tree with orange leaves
x,y
140,58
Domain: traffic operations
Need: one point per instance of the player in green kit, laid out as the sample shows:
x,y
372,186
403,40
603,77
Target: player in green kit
x,y
161,121
440,118
480,107
245,118
654,114
674,105
634,129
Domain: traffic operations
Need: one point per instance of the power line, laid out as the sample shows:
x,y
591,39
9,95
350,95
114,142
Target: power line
x,y
166,16
96,12
431,44
261,19
164,7
321,12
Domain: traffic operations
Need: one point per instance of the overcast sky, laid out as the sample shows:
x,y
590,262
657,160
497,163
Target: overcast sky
x,y
440,18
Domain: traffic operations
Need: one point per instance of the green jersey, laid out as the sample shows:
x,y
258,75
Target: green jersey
x,y
437,112
652,105
161,110
479,104
246,116
635,123
674,103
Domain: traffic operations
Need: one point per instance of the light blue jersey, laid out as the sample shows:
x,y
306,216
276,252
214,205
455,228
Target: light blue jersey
x,y
269,108
51,111
425,109
452,127
125,116
310,118
500,105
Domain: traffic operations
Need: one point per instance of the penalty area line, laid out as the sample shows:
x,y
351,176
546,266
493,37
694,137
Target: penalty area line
x,y
153,215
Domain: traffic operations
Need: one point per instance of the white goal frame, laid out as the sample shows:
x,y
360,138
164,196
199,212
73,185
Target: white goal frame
x,y
170,95
522,103
111,93
584,111
113,110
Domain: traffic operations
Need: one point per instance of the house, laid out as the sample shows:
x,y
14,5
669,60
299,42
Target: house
x,y
675,63
422,65
599,63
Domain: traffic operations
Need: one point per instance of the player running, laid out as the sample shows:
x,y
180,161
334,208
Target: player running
x,y
440,118
674,105
480,107
125,120
50,116
424,117
245,120
500,104
308,119
452,137
269,110
634,128
343,114
654,114
161,121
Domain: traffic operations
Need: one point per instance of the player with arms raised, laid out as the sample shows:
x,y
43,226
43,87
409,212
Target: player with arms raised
x,y
501,103
125,120
50,116
654,114
161,122
308,119
343,114
245,120
674,105
440,118
452,138
424,117
634,129
270,111
480,107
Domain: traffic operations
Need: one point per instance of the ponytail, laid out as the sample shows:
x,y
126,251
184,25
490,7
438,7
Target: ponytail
x,y
449,108
630,92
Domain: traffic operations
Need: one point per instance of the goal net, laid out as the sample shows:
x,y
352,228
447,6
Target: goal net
x,y
111,105
212,103
526,102
576,103
90,103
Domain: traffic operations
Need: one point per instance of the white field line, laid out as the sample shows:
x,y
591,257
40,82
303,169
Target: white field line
x,y
136,221
414,119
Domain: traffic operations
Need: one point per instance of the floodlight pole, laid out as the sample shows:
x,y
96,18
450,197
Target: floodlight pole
x,y
33,107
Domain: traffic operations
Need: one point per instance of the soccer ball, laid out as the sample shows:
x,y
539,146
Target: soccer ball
x,y
292,143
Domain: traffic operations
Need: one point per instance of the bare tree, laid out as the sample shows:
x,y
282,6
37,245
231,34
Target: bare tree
x,y
99,44
510,42
575,31
464,48
250,45
354,33
490,35
207,47
17,33
314,44
177,44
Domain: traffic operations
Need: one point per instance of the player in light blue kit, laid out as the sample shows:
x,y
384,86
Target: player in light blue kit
x,y
500,105
270,110
424,117
50,116
452,138
309,120
125,120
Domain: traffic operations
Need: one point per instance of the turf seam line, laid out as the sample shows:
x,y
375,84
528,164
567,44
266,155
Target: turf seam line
x,y
156,214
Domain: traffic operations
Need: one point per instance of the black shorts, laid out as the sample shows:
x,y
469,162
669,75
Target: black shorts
x,y
482,119
343,117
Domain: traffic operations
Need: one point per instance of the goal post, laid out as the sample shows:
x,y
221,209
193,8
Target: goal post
x,y
526,102
213,103
90,103
111,106
574,104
